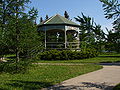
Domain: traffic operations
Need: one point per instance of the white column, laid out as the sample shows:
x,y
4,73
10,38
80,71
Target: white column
x,y
78,39
45,37
65,39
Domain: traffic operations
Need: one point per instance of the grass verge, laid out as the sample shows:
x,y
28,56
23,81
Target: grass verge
x,y
117,87
40,76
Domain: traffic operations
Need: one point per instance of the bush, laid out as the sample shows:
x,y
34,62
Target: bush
x,y
67,54
13,68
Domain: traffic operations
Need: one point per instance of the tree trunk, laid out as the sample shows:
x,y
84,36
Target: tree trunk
x,y
17,34
17,50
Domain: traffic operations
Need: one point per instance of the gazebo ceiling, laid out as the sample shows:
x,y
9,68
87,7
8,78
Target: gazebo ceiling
x,y
58,20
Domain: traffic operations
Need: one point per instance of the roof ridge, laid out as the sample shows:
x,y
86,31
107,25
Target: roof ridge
x,y
58,19
62,19
66,19
49,19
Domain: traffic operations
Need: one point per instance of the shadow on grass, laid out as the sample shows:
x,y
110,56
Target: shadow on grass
x,y
3,88
109,64
109,56
29,85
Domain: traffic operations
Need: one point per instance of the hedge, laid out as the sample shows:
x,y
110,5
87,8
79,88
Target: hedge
x,y
67,54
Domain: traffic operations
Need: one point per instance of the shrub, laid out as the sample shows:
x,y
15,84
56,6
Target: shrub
x,y
13,68
67,54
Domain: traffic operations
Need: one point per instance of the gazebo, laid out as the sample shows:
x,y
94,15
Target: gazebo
x,y
60,33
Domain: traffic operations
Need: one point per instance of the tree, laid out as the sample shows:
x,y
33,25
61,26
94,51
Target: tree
x,y
111,8
90,33
47,17
41,19
112,11
20,30
66,15
116,24
3,20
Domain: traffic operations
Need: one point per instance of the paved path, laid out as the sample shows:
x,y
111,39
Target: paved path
x,y
104,79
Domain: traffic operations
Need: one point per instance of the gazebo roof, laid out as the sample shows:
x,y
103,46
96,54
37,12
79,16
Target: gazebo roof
x,y
58,20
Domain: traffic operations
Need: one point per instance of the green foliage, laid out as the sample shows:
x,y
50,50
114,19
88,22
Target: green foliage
x,y
113,43
117,87
13,68
67,54
18,30
103,57
111,8
112,11
91,33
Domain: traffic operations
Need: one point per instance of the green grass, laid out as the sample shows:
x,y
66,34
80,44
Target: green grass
x,y
117,87
40,76
99,59
10,55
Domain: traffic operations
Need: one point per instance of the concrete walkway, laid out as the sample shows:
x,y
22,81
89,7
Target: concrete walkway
x,y
104,79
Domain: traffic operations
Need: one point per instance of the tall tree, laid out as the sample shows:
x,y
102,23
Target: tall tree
x,y
86,25
66,15
112,11
47,17
19,27
41,19
111,8
90,31
3,20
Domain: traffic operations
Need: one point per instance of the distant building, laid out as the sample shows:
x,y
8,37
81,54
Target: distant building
x,y
60,33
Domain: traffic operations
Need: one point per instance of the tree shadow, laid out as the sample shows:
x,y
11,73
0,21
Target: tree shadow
x,y
109,56
102,86
3,88
82,86
29,85
109,64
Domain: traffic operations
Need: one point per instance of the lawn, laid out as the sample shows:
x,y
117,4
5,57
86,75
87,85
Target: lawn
x,y
99,59
40,76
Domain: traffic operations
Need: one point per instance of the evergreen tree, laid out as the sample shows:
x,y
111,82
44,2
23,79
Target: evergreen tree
x,y
112,11
41,19
66,15
111,8
3,20
47,17
19,28
90,33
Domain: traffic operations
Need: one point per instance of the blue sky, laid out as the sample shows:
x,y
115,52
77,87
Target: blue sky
x,y
92,8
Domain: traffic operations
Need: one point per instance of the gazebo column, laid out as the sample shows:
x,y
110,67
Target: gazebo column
x,y
65,39
45,39
78,46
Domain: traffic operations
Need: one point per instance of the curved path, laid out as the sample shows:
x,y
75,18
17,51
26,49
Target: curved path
x,y
104,79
